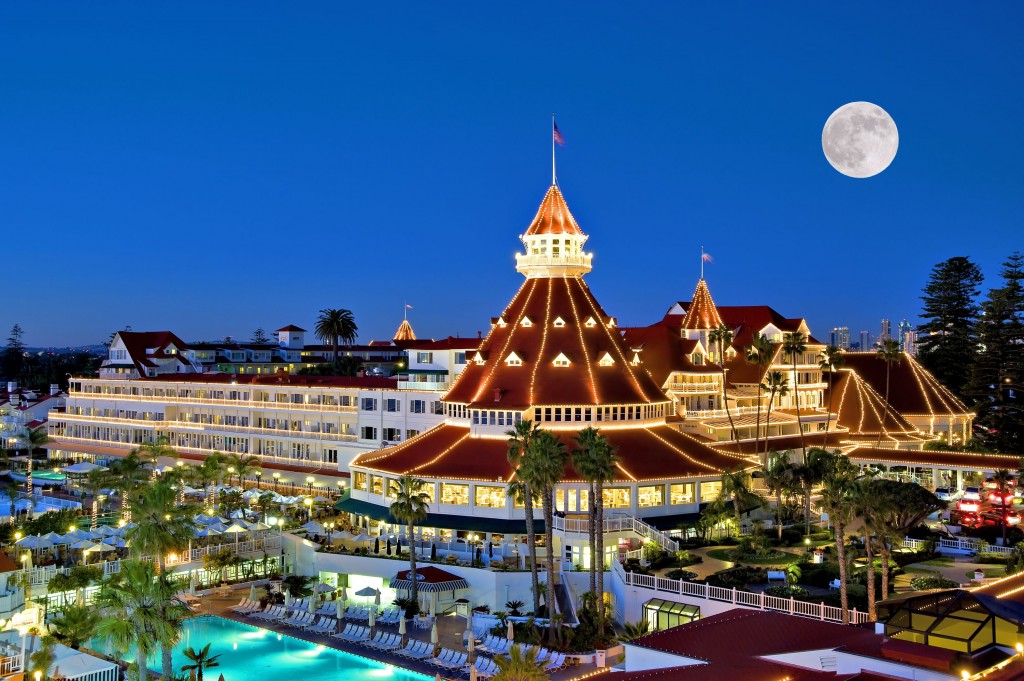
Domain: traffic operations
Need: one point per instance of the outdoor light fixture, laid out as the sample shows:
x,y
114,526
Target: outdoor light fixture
x,y
277,477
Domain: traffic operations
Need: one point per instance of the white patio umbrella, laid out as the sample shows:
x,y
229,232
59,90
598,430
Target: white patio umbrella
x,y
401,627
433,605
323,588
252,592
84,467
204,519
287,598
339,608
207,532
344,594
362,537
52,536
373,617
320,499
116,542
313,527
341,535
102,547
105,531
511,635
34,542
433,633
376,599
312,604
236,530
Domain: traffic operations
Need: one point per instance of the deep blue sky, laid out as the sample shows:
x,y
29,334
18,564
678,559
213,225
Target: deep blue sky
x,y
211,167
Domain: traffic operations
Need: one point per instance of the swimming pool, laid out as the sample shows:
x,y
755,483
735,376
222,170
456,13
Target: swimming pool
x,y
248,652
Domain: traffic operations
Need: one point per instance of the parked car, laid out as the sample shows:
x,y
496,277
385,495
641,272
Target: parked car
x,y
964,519
971,505
996,517
1006,498
992,484
972,493
945,493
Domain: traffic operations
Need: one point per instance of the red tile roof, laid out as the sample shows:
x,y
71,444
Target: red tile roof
x,y
538,381
663,352
553,216
448,451
137,343
449,343
290,327
861,410
702,313
913,457
6,564
912,389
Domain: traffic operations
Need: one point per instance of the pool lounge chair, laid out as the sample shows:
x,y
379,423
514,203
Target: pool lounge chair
x,y
253,606
344,632
456,662
445,655
421,651
241,605
271,613
556,662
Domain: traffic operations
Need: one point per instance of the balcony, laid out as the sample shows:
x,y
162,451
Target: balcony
x,y
433,386
246,404
706,387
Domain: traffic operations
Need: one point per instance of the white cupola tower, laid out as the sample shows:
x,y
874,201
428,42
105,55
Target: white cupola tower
x,y
554,242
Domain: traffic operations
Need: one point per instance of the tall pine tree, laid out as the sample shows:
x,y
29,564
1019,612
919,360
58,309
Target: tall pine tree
x,y
14,354
950,312
996,382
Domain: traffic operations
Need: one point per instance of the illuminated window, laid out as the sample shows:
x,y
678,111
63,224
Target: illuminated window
x,y
607,360
513,360
360,481
616,497
487,496
681,493
454,495
526,323
376,484
559,322
392,487
590,323
709,491
652,495
636,359
561,360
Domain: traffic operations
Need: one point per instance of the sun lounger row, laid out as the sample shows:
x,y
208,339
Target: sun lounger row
x,y
391,616
246,606
325,625
360,614
485,668
416,650
352,633
495,645
272,613
449,659
385,642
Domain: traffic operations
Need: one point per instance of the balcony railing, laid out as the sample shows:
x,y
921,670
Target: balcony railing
x,y
247,404
166,424
695,387
623,523
436,386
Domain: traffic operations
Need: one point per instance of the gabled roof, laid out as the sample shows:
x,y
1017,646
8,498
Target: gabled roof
x,y
290,327
913,390
663,352
702,313
861,410
747,320
137,343
538,381
553,216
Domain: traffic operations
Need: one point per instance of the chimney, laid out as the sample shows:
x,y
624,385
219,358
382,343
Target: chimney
x,y
497,394
479,334
54,389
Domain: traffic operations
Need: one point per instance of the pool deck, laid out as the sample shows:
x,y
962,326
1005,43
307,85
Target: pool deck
x,y
450,629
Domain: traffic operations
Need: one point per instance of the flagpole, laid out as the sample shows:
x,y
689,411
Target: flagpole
x,y
554,178
702,261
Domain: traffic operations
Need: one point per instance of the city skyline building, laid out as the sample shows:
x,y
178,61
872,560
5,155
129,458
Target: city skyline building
x,y
865,341
886,332
841,337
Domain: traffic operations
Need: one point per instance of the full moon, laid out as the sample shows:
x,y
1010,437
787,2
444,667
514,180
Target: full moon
x,y
860,139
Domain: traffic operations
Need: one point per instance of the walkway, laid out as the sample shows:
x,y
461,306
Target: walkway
x,y
450,629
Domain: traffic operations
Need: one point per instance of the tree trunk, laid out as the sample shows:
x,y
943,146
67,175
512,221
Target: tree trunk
x,y
165,658
725,396
550,538
885,410
531,545
757,427
414,591
828,416
599,510
768,426
594,530
778,511
807,509
799,421
886,552
871,578
140,660
844,601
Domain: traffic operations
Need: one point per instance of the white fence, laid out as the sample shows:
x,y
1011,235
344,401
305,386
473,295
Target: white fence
x,y
963,545
258,545
744,599
618,523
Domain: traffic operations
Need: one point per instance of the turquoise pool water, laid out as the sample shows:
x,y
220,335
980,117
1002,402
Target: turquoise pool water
x,y
248,652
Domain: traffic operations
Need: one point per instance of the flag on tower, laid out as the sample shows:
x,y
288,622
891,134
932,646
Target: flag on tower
x,y
408,306
556,134
706,257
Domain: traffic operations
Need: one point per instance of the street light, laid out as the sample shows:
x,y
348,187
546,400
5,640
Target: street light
x,y
309,508
472,546
258,474
309,482
277,478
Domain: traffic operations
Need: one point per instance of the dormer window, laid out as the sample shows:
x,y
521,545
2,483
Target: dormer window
x,y
500,323
590,323
478,358
526,323
559,323
561,360
636,358
513,360
611,322
607,360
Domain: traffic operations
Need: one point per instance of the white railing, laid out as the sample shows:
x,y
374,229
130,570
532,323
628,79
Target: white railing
x,y
435,386
744,599
249,404
695,387
963,545
617,523
258,545
12,664
41,576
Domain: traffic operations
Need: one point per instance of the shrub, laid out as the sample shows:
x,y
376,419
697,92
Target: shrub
x,y
991,558
792,536
686,575
787,591
932,582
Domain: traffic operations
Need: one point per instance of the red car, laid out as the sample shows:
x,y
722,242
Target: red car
x,y
969,505
996,517
1006,499
965,519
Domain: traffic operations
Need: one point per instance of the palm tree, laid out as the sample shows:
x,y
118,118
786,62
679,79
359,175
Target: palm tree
x,y
794,345
775,384
865,508
10,488
888,352
594,459
129,474
520,437
736,487
519,666
410,506
136,608
95,482
543,466
838,483
779,475
75,625
244,465
722,337
759,352
162,525
634,630
152,452
1002,478
264,503
831,360
201,660
34,439
209,474
336,325
810,474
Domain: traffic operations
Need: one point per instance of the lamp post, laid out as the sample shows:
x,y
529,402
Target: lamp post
x,y
472,547
309,483
277,478
231,473
258,474
309,508
330,529
807,546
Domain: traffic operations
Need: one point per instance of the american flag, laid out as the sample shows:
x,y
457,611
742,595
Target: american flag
x,y
706,257
556,134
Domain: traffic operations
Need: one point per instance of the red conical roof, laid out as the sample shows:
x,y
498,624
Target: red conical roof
x,y
554,217
702,313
